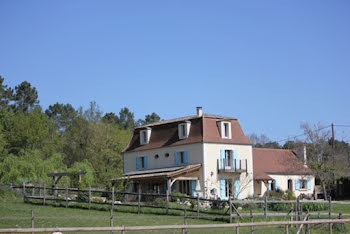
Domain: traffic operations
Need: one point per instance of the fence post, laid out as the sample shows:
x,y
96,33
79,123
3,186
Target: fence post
x,y
184,231
89,197
251,220
198,206
298,209
111,220
44,199
287,229
139,200
330,213
237,230
330,228
24,192
112,198
167,202
67,197
230,207
265,207
32,212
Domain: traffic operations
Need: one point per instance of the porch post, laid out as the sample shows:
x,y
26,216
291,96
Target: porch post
x,y
169,187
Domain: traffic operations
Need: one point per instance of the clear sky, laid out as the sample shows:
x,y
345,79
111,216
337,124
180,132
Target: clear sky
x,y
272,64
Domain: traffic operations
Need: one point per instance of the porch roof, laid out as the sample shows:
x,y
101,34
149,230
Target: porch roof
x,y
165,173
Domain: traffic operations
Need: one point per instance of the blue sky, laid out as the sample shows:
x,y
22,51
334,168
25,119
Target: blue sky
x,y
272,64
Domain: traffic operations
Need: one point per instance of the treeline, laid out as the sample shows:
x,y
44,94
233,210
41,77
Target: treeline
x,y
35,142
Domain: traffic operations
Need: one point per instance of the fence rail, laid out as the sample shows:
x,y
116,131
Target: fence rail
x,y
125,229
69,195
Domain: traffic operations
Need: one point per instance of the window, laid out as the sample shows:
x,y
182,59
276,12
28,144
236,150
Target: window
x,y
141,162
303,184
156,156
228,189
184,130
228,158
290,185
181,158
225,129
184,187
166,155
145,136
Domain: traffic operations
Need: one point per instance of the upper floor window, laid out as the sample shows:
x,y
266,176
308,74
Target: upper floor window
x,y
141,162
184,129
181,158
226,129
145,135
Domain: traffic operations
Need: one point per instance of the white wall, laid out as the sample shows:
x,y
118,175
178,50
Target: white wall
x,y
212,154
283,183
194,157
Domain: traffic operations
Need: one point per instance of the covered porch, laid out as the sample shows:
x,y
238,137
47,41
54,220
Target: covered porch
x,y
183,179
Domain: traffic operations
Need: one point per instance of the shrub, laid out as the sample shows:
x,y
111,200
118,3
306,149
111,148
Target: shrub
x,y
176,196
280,206
315,206
159,202
289,195
83,196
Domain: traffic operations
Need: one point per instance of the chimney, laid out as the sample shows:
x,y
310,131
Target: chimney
x,y
199,111
305,162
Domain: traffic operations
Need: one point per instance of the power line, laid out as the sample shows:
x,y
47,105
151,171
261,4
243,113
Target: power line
x,y
295,136
342,125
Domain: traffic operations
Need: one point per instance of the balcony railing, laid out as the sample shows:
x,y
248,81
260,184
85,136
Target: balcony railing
x,y
234,165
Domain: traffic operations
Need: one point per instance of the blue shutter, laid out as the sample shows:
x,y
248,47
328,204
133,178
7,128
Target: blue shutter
x,y
235,159
146,162
177,158
238,188
193,187
309,185
186,157
138,163
222,159
223,189
297,185
277,184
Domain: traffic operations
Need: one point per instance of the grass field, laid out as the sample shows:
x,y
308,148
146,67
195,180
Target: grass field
x,y
14,213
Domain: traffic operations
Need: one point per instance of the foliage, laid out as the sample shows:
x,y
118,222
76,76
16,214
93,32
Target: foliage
x,y
158,202
177,196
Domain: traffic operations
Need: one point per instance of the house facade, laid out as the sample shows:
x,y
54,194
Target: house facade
x,y
201,155
278,169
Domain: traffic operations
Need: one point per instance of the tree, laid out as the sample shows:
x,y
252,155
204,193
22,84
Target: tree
x,y
263,141
110,118
62,115
93,114
26,97
6,94
320,155
152,118
126,119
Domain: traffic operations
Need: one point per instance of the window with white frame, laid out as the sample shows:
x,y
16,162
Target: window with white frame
x,y
226,129
184,129
145,136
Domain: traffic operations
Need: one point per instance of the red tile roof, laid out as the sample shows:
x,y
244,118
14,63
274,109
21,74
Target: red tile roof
x,y
277,161
203,129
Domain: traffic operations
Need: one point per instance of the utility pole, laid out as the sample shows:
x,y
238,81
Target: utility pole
x,y
333,157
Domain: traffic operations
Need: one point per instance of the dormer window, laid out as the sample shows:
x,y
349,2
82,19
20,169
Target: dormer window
x,y
145,135
184,129
225,129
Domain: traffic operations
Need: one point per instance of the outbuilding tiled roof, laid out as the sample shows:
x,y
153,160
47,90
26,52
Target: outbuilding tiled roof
x,y
277,161
203,129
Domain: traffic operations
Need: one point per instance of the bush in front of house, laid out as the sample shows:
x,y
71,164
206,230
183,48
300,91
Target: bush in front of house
x,y
176,196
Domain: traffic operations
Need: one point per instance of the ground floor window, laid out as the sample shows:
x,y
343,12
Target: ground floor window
x,y
303,184
290,185
184,187
228,189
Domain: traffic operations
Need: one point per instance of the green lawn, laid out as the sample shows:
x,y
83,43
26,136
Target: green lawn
x,y
16,214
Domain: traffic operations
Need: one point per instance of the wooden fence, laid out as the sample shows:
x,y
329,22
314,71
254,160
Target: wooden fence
x,y
70,195
236,226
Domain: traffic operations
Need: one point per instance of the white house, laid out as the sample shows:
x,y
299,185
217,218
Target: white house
x,y
204,155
